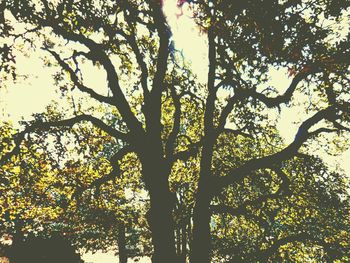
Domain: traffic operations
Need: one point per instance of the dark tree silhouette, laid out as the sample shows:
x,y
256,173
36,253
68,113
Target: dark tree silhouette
x,y
130,41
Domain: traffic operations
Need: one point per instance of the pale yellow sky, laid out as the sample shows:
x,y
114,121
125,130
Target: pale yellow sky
x,y
109,257
33,94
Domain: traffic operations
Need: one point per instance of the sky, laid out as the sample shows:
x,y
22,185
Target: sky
x,y
33,94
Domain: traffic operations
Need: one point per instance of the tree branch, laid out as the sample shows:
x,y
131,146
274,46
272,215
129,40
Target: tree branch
x,y
192,150
131,38
225,112
108,177
242,209
237,174
97,54
76,80
62,123
152,103
300,237
284,98
170,143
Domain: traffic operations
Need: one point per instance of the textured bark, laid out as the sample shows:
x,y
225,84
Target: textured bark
x,y
160,214
123,254
184,242
200,250
162,227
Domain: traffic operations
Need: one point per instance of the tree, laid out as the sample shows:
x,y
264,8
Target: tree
x,y
53,249
278,215
46,192
151,93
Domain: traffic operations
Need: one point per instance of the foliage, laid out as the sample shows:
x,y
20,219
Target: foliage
x,y
164,165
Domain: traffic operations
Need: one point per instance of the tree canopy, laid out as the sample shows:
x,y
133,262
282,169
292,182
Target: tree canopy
x,y
155,162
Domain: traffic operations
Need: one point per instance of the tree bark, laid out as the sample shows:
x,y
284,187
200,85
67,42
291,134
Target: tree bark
x,y
162,227
123,255
200,249
201,244
159,216
184,242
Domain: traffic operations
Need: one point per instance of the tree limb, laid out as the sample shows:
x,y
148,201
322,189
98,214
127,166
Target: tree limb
x,y
97,183
62,123
170,143
76,80
285,97
242,209
98,54
237,174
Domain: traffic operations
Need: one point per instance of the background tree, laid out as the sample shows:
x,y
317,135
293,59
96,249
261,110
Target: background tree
x,y
130,42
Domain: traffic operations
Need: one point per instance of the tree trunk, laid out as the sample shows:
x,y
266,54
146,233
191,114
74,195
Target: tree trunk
x,y
162,227
159,216
184,242
200,249
178,241
201,244
123,255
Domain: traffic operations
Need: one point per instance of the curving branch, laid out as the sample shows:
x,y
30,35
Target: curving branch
x,y
242,209
97,54
286,96
115,172
76,80
303,134
43,126
300,237
225,112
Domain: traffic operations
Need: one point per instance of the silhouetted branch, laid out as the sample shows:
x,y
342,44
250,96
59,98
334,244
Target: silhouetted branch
x,y
115,172
97,54
76,80
285,97
242,209
237,174
170,143
42,126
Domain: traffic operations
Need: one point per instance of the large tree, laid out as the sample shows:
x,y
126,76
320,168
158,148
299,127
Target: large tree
x,y
161,114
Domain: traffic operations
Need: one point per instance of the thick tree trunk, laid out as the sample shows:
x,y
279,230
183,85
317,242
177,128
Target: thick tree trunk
x,y
178,241
123,255
162,227
160,217
201,244
200,249
184,242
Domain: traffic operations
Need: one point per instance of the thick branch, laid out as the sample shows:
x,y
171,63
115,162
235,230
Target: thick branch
x,y
170,144
152,103
284,98
163,51
97,54
237,174
42,126
210,102
76,80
